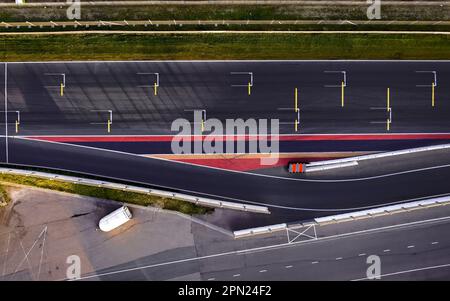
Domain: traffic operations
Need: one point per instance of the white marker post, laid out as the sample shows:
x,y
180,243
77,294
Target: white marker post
x,y
155,84
342,85
249,85
62,84
109,121
433,85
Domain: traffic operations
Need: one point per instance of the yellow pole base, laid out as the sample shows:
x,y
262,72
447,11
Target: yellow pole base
x,y
432,94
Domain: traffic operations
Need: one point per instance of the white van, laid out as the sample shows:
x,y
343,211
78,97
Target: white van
x,y
115,219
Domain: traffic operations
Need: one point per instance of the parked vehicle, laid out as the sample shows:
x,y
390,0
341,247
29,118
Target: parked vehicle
x,y
296,167
115,219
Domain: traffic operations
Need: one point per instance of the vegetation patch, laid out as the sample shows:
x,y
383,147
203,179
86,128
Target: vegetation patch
x,y
220,46
104,193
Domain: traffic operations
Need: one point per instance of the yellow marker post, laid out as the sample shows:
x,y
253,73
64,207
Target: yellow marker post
x,y
388,99
17,126
342,94
156,89
203,125
109,126
296,125
388,122
249,88
432,94
296,101
62,89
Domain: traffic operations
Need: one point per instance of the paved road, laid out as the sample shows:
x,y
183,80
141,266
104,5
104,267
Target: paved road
x,y
407,251
289,199
210,86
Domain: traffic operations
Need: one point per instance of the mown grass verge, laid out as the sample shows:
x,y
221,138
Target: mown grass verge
x,y
106,193
134,46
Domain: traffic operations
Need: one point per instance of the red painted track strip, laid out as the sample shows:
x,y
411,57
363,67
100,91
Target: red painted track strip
x,y
236,138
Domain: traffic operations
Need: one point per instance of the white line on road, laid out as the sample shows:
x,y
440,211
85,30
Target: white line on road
x,y
362,254
410,247
261,175
269,248
314,262
236,275
288,266
338,258
387,250
263,271
409,271
434,242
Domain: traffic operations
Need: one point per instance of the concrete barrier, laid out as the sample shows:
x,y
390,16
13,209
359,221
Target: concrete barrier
x,y
259,230
180,196
329,166
336,163
383,210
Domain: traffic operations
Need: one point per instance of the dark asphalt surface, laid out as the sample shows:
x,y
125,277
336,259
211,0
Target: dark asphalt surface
x,y
186,86
304,199
411,252
208,85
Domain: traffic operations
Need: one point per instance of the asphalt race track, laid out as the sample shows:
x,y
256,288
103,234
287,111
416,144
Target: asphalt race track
x,y
94,90
289,199
127,89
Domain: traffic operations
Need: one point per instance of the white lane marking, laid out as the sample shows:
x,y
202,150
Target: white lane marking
x,y
236,135
409,271
362,254
434,242
210,279
288,266
314,262
236,275
270,248
387,250
245,173
338,258
410,247
263,271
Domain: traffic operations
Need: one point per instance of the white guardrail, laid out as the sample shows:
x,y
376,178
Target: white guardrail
x,y
407,206
383,210
180,196
351,161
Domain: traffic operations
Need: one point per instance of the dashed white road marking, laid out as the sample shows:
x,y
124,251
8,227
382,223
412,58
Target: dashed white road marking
x,y
210,279
362,254
268,248
387,250
288,266
263,271
236,275
338,258
410,247
314,262
434,242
